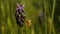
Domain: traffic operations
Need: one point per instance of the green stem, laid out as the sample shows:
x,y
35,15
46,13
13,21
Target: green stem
x,y
45,24
54,2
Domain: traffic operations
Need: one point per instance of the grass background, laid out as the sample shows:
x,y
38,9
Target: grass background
x,y
51,9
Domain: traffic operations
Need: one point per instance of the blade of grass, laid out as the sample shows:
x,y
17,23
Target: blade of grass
x,y
3,17
45,23
51,23
54,4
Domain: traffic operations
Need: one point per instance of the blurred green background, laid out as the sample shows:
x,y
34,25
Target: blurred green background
x,y
50,24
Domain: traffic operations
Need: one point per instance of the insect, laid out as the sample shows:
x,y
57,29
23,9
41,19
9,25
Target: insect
x,y
19,15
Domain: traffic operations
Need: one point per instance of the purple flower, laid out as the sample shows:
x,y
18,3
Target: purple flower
x,y
20,15
41,14
20,7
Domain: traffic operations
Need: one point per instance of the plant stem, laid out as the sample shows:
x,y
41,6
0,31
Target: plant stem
x,y
54,2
